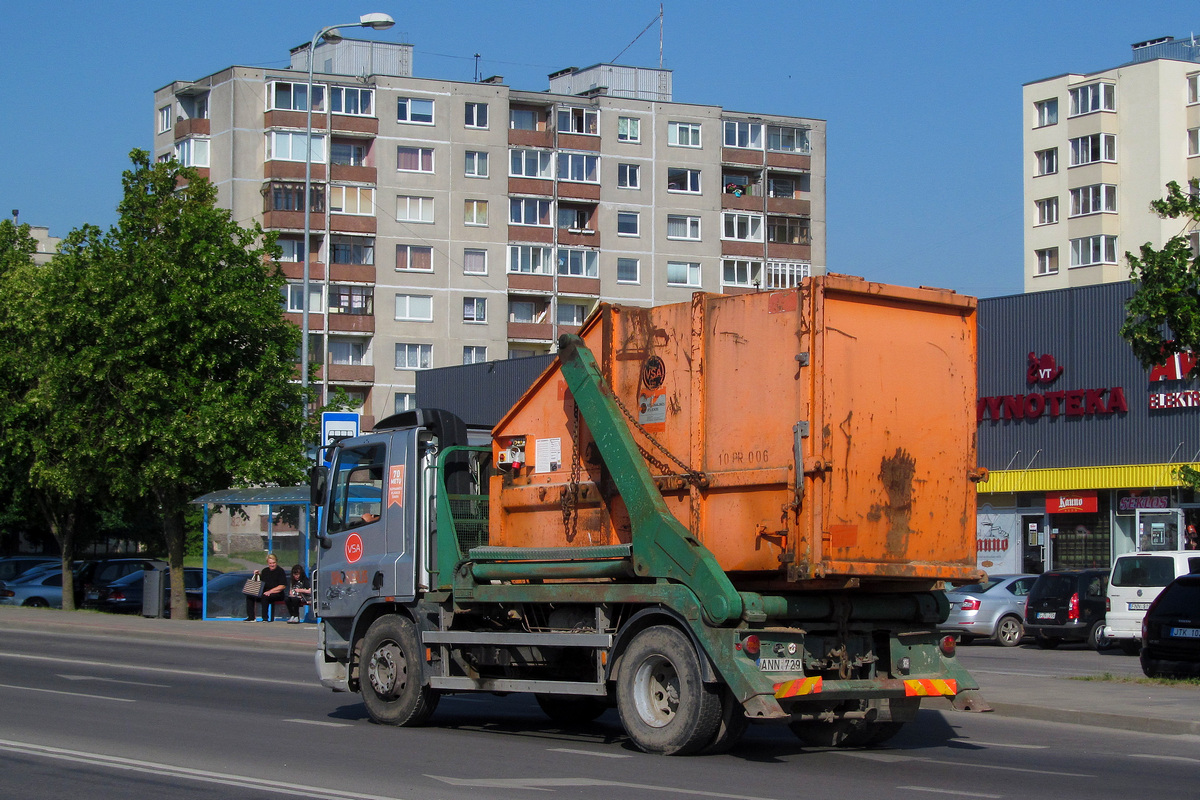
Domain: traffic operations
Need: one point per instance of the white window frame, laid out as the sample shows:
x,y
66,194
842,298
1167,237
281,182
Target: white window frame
x,y
475,252
530,259
292,105
408,258
472,215
1098,198
691,224
786,274
403,401
475,164
472,115
355,201
534,317
1089,251
414,307
747,273
293,293
576,262
1093,97
192,152
788,139
580,120
637,270
1045,112
743,134
475,310
532,113
283,146
414,356
364,247
1047,161
291,250
1193,88
412,111
519,217
693,273
425,155
624,218
356,352
741,226
1095,148
405,205
474,354
338,104
542,163
1047,261
629,129
164,118
1193,142
579,312
1047,210
357,153
692,180
588,164
683,134
629,176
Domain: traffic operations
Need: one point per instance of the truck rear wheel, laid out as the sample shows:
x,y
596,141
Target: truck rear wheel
x,y
733,724
390,674
664,705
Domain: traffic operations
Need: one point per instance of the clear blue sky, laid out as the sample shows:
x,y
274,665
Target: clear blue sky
x,y
922,99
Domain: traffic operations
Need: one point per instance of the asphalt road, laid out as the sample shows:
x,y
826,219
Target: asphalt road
x,y
106,716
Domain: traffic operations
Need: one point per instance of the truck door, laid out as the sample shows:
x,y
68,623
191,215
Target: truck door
x,y
356,528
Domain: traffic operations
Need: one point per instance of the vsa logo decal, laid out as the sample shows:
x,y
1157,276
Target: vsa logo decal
x,y
354,547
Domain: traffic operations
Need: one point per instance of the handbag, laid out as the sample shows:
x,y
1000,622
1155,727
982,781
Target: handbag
x,y
252,587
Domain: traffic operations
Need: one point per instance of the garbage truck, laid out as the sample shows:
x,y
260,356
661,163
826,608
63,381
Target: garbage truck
x,y
738,509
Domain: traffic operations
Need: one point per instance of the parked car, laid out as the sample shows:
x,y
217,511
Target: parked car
x,y
40,569
14,566
124,595
95,575
1136,579
1067,605
1171,630
225,598
992,609
41,589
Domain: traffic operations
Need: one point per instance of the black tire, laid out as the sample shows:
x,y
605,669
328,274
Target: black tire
x,y
663,702
733,724
36,602
839,733
1048,642
1130,647
390,677
571,710
965,639
1009,631
1096,638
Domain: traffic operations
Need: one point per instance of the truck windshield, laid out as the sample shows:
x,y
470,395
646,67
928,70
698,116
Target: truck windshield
x,y
357,488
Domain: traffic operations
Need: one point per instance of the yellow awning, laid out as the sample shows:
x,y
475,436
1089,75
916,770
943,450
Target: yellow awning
x,y
1134,476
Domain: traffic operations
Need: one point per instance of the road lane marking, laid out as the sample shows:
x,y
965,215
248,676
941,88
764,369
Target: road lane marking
x,y
1165,758
189,673
1002,744
893,758
320,722
161,770
532,784
113,680
949,791
68,694
589,753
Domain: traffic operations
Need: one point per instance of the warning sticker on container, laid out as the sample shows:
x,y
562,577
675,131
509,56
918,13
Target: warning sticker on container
x,y
547,455
652,411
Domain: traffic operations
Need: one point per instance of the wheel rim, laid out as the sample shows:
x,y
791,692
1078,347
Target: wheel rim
x,y
1010,631
386,670
656,691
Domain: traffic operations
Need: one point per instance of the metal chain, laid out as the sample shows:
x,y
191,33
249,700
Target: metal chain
x,y
570,492
690,475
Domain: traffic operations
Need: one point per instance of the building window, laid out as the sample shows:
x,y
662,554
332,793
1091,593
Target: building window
x,y
476,164
1193,141
683,134
414,307
575,219
414,110
789,187
414,159
474,261
786,274
1047,261
474,354
164,119
290,197
789,230
578,167
192,152
629,176
287,146
743,134
414,258
356,200
1090,149
529,260
627,270
358,301
571,313
680,226
285,96
1047,210
578,263
781,139
742,227
529,211
577,120
291,250
403,401
474,309
1047,112
741,273
1092,199
683,273
525,311
346,250
627,223
1193,83
476,115
523,119
347,154
414,356
414,209
683,180
347,353
352,101
1093,97
629,129
1047,161
475,212
294,298
1091,250
530,164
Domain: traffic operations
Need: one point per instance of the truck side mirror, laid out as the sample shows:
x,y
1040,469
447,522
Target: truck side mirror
x,y
318,478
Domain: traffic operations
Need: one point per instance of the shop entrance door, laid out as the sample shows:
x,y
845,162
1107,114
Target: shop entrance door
x,y
1033,544
1159,529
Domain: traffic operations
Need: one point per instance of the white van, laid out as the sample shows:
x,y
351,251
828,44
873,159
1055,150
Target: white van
x,y
1135,582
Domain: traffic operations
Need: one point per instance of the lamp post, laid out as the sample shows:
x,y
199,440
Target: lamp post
x,y
379,22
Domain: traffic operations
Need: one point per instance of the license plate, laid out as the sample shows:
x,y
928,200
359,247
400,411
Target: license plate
x,y
91,596
1045,615
1186,633
780,665
1139,607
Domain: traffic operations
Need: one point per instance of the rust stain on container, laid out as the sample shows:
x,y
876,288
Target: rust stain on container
x,y
897,473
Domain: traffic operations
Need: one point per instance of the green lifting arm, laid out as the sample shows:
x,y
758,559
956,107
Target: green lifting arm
x,y
662,547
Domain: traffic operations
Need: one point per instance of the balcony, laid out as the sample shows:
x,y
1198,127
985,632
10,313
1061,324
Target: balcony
x,y
351,124
742,202
538,331
789,161
352,174
530,233
542,187
315,320
531,283
569,190
586,237
352,273
292,119
527,138
295,269
737,155
789,252
742,249
579,141
789,205
350,323
191,127
352,373
291,171
568,284
351,223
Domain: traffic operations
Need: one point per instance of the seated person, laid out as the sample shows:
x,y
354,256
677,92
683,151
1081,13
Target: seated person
x,y
299,593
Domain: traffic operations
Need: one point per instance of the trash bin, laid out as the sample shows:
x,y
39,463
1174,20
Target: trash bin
x,y
154,587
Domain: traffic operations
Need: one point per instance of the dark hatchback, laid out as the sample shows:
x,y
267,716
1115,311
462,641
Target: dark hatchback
x,y
1171,631
124,595
1067,606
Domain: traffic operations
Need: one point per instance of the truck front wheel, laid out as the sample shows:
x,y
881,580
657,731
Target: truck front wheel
x,y
663,702
391,684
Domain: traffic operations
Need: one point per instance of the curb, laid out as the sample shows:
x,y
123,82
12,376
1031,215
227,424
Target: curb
x,y
1098,719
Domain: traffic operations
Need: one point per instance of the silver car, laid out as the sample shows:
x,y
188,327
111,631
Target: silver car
x,y
994,609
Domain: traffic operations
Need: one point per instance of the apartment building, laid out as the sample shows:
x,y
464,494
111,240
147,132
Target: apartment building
x,y
457,222
1098,148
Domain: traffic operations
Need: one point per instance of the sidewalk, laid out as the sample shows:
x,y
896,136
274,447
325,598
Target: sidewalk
x,y
1110,704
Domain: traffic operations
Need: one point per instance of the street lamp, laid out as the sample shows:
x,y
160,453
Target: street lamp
x,y
379,22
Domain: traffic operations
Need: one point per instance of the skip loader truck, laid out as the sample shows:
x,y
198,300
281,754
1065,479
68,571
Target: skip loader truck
x,y
738,509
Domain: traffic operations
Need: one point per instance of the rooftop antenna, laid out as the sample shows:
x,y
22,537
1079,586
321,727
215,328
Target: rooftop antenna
x,y
657,19
660,35
477,67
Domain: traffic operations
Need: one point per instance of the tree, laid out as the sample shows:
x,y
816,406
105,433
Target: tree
x,y
1163,315
169,360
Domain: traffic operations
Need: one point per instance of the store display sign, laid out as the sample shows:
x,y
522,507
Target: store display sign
x,y
1175,368
1041,371
1080,502
1130,502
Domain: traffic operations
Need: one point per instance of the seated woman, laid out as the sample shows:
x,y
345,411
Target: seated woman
x,y
299,593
